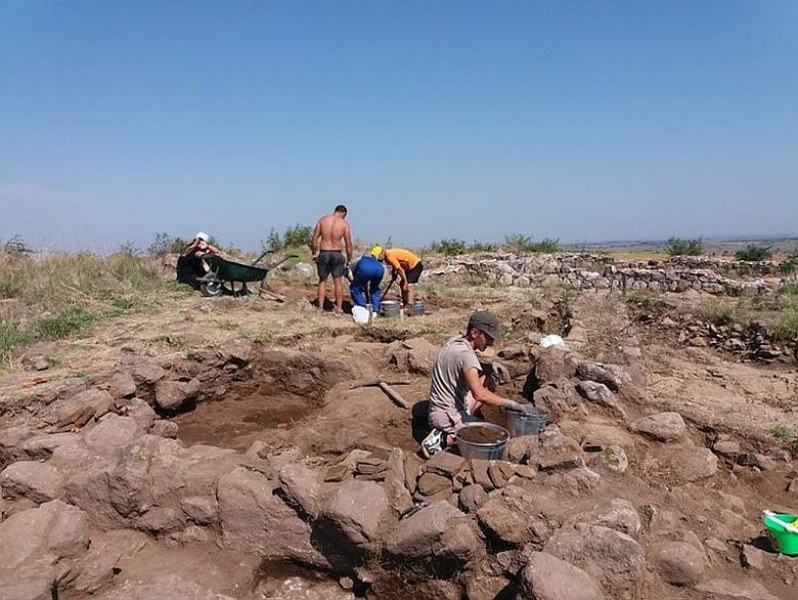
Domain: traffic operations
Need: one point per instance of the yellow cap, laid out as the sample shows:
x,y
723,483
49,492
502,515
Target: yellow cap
x,y
376,251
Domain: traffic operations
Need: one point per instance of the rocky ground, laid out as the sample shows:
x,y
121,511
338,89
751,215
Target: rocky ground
x,y
216,448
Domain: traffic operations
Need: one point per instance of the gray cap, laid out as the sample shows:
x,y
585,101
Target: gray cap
x,y
487,323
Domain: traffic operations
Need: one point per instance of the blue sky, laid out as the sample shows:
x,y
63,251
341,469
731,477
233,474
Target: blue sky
x,y
577,120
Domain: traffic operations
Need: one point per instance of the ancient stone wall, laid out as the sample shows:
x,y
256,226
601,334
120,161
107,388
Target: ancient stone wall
x,y
710,275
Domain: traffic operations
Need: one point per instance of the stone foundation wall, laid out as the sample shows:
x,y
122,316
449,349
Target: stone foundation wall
x,y
680,274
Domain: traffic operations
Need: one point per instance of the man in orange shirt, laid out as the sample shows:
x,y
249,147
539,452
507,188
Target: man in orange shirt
x,y
405,265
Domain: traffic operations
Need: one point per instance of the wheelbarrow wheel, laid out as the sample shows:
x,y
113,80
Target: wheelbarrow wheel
x,y
212,288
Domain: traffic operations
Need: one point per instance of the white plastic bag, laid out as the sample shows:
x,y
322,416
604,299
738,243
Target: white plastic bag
x,y
360,314
552,340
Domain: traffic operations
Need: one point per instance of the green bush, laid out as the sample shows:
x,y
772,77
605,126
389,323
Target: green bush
x,y
294,237
477,246
679,247
297,236
449,247
525,243
752,253
166,244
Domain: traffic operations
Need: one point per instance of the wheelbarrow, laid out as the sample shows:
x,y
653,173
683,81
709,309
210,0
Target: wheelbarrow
x,y
222,270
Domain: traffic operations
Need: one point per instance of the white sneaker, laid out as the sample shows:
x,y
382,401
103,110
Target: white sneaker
x,y
433,443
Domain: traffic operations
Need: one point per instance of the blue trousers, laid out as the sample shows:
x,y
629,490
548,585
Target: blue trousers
x,y
367,276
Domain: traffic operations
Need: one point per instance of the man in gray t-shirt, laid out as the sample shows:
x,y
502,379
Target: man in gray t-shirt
x,y
457,387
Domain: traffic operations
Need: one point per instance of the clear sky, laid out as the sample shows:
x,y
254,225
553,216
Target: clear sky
x,y
435,119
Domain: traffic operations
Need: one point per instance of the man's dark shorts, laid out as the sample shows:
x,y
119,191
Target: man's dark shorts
x,y
330,262
414,273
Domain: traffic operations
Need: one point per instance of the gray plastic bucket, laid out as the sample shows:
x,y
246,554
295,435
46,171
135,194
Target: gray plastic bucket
x,y
390,308
530,422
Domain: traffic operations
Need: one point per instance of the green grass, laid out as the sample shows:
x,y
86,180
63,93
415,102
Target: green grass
x,y
67,293
62,324
646,302
788,436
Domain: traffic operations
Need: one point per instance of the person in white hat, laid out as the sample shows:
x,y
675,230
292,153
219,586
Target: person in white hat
x,y
191,264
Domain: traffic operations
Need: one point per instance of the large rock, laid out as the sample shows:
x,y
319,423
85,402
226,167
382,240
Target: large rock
x,y
554,364
163,586
665,427
171,396
354,510
678,563
693,464
254,519
117,489
619,515
36,481
112,433
93,397
41,447
439,532
416,355
51,532
599,393
612,376
723,589
556,451
607,555
302,487
121,385
510,521
547,577
556,401
141,412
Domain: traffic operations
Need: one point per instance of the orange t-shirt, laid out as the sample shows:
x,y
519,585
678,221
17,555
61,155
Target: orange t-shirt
x,y
398,258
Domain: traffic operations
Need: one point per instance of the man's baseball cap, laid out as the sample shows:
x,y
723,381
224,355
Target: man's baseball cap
x,y
202,236
487,323
376,251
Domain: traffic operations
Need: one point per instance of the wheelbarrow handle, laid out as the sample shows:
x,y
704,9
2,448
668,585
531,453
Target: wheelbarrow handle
x,y
261,256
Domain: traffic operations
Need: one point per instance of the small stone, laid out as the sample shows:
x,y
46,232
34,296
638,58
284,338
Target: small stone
x,y
336,473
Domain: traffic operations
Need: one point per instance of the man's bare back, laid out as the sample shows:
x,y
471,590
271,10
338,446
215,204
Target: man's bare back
x,y
330,237
332,233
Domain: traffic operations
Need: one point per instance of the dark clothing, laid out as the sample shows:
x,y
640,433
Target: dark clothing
x,y
367,275
330,262
189,269
414,273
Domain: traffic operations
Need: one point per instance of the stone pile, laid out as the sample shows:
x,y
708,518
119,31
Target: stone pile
x,y
373,516
753,341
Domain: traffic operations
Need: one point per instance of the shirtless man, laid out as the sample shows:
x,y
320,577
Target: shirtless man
x,y
330,237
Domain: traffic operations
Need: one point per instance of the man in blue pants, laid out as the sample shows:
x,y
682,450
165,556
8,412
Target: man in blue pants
x,y
366,278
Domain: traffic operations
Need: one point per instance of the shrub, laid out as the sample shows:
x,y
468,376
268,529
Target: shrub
x,y
525,243
477,246
273,241
16,245
752,253
166,244
297,236
679,247
717,312
449,247
294,237
790,266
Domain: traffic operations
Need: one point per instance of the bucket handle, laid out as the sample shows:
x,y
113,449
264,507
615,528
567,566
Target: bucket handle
x,y
786,526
